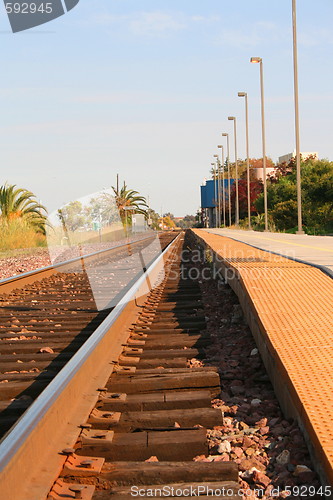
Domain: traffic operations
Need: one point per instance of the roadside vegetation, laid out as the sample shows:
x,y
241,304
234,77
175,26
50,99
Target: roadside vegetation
x,y
109,208
24,222
22,219
129,202
317,196
18,234
169,221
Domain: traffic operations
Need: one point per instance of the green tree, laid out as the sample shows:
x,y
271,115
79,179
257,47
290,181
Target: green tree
x,y
72,215
242,168
154,217
317,196
169,214
284,214
317,190
18,203
126,198
166,221
188,221
104,208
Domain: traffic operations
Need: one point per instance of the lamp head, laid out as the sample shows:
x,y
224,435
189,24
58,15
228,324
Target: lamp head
x,y
220,146
213,164
231,118
256,60
216,156
242,94
224,134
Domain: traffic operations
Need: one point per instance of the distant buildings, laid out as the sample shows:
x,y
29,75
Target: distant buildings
x,y
258,173
210,190
288,157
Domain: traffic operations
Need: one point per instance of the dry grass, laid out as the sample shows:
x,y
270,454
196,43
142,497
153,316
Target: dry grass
x,y
17,234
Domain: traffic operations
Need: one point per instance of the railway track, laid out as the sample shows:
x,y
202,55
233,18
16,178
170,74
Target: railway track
x,y
131,413
46,316
152,416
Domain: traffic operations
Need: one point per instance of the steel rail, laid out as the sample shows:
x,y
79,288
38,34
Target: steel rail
x,y
52,267
30,454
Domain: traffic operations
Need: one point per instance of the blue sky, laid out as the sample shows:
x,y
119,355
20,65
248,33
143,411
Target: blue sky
x,y
144,88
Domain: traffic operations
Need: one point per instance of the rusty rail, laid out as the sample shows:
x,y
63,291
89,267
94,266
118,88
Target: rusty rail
x,y
30,454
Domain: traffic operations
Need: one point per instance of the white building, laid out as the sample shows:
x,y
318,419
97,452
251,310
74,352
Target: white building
x,y
288,157
259,172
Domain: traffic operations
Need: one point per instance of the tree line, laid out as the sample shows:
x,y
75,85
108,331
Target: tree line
x,y
317,195
22,216
24,220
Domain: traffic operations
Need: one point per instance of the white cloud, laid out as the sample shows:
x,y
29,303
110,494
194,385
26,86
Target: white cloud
x,y
250,36
145,97
108,19
156,23
313,38
205,19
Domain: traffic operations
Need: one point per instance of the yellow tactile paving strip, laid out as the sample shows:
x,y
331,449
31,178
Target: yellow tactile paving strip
x,y
294,306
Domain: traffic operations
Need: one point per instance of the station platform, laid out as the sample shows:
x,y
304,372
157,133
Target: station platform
x,y
289,308
314,250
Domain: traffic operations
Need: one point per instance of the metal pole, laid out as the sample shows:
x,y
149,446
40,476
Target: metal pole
x,y
229,184
236,180
263,143
215,193
248,161
297,134
223,191
233,118
218,191
100,226
229,181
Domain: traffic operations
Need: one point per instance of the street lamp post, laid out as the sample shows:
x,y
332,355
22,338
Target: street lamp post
x,y
233,118
244,94
229,186
263,132
223,191
218,191
297,134
214,172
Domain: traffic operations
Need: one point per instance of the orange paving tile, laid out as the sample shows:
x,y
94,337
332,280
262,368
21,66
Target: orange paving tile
x,y
294,305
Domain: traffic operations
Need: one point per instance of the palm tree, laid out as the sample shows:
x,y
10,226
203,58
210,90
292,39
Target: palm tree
x,y
18,203
127,199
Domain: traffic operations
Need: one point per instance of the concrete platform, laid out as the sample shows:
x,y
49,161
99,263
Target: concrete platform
x,y
289,308
314,250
